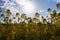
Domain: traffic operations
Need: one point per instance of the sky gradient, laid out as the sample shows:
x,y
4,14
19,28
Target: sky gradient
x,y
29,6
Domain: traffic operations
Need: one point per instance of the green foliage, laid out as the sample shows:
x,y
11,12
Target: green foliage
x,y
25,31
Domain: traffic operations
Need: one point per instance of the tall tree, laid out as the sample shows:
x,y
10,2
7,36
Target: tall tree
x,y
43,20
50,11
58,6
10,21
37,15
54,12
47,19
0,9
30,20
36,20
17,14
19,20
23,16
54,16
6,19
2,16
8,12
14,18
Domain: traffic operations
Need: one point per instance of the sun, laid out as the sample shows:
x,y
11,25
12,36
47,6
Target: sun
x,y
27,6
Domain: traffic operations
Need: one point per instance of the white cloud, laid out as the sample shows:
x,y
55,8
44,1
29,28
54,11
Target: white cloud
x,y
42,10
27,6
57,0
9,5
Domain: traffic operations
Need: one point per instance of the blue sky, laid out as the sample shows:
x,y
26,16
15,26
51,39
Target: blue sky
x,y
30,6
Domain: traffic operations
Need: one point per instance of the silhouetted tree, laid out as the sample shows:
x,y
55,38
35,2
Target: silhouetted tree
x,y
37,15
17,14
0,9
58,6
8,12
6,20
23,17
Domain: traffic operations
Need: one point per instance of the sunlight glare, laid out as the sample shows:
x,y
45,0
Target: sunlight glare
x,y
27,6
